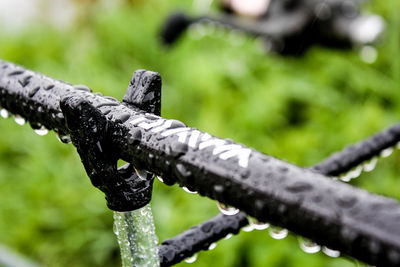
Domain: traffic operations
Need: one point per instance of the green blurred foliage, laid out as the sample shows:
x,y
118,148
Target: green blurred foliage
x,y
297,109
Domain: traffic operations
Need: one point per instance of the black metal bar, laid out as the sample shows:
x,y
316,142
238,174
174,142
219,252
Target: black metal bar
x,y
359,224
354,155
200,237
336,164
292,26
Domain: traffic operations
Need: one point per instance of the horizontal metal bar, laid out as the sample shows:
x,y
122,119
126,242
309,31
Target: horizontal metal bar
x,y
336,164
359,224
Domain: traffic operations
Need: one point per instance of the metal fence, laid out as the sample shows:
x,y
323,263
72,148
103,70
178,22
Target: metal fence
x,y
306,201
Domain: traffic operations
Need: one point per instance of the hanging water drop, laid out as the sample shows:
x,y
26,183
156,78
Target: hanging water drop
x,y
345,178
191,259
256,224
19,120
142,174
277,232
248,228
4,113
386,152
368,54
369,166
309,246
160,179
227,210
66,139
330,252
228,236
398,145
212,246
41,131
197,31
210,28
353,173
356,171
188,190
236,37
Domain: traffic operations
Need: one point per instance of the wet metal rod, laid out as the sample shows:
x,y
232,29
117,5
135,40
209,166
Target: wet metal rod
x,y
339,216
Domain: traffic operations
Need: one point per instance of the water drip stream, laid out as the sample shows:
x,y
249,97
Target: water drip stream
x,y
137,238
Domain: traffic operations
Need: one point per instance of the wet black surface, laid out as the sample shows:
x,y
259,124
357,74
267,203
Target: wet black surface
x,y
339,216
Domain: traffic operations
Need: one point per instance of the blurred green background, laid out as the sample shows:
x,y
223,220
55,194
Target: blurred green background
x,y
297,109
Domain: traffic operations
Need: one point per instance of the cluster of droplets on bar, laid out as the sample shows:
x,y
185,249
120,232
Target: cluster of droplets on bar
x,y
208,27
367,166
275,232
40,130
212,246
278,233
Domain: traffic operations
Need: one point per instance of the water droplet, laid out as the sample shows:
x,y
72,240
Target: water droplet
x,y
197,31
212,246
34,91
183,171
41,131
49,87
207,226
277,232
210,28
386,152
330,252
4,113
191,259
237,38
369,166
309,246
219,188
82,88
346,201
123,117
228,236
188,190
299,186
142,174
19,120
368,54
160,179
135,137
227,210
353,173
398,145
248,228
323,11
66,139
177,149
256,224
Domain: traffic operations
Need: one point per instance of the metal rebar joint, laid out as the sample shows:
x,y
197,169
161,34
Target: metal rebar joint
x,y
125,188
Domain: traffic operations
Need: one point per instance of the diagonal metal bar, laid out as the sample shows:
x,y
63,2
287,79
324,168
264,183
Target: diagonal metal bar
x,y
354,155
200,237
359,224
